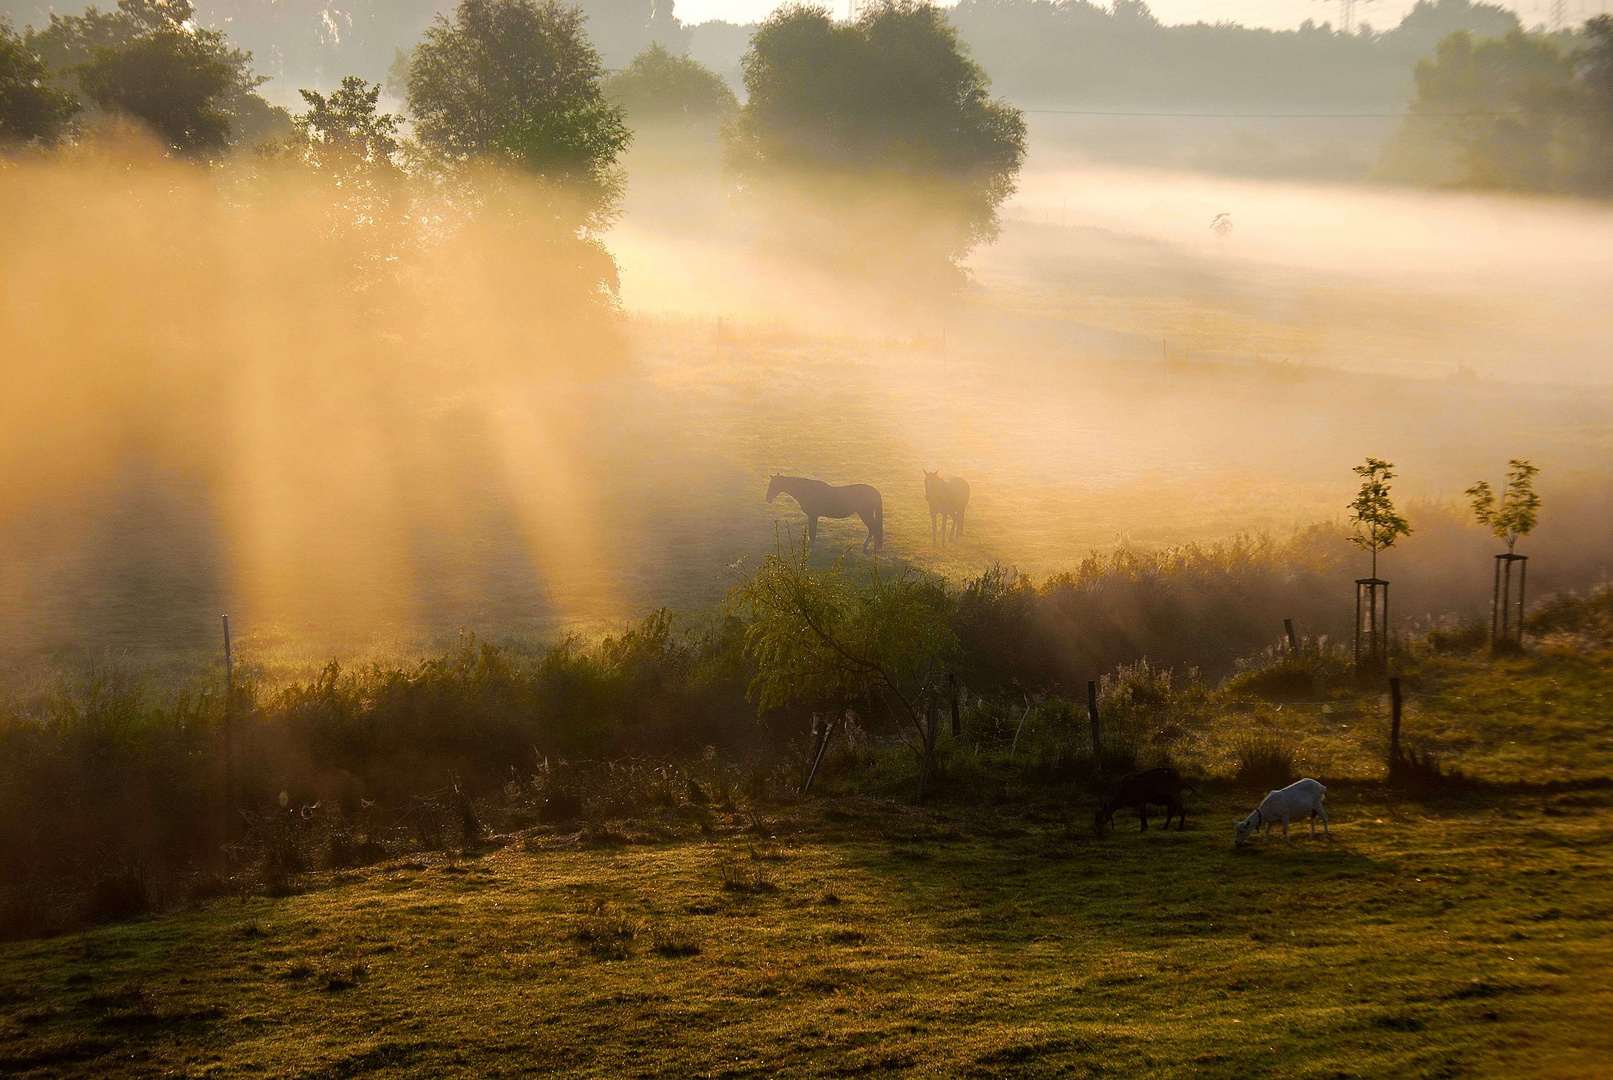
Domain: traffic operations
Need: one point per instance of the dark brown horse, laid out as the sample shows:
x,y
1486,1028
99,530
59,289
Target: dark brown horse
x,y
947,498
818,499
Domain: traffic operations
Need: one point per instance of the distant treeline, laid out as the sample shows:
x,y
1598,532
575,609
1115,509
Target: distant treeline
x,y
1075,52
1036,51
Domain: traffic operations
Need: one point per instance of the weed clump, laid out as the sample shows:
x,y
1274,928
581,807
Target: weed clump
x,y
1264,761
739,878
675,942
608,937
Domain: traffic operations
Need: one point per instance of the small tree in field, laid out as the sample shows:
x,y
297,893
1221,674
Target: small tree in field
x,y
1376,528
1519,509
828,635
1515,517
1372,514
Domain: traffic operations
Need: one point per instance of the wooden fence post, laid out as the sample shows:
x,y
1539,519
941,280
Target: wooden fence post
x,y
1097,731
1394,727
817,759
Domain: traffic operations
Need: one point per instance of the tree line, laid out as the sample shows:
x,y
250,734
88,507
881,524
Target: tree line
x,y
1520,112
888,103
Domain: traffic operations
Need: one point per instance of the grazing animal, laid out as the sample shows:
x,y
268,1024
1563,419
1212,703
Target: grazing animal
x,y
1302,798
818,499
1162,787
947,498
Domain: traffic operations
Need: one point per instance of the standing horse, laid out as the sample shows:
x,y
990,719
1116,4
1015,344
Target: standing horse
x,y
947,498
818,499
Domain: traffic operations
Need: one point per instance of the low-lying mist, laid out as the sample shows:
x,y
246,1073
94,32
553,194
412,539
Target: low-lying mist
x,y
222,398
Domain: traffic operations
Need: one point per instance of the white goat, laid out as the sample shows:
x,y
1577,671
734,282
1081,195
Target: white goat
x,y
1303,798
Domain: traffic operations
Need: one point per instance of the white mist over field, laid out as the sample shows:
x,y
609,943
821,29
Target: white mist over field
x,y
214,420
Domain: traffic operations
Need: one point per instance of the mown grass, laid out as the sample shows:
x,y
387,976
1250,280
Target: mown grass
x,y
1465,933
1456,937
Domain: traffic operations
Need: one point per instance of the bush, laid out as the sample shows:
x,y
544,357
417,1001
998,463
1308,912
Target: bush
x,y
1264,761
1277,674
1590,614
1198,606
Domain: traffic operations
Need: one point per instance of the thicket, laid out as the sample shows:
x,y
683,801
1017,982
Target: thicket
x,y
108,786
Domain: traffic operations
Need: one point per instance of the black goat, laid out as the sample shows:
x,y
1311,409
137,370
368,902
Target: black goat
x,y
1162,787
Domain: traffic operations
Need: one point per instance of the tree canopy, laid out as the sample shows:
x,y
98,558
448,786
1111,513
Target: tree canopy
x,y
1514,113
660,88
150,61
31,109
516,81
890,103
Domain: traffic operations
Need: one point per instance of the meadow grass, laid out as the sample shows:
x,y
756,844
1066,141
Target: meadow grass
x,y
1456,937
1462,933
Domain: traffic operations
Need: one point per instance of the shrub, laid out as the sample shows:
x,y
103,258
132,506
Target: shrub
x,y
1277,674
1263,761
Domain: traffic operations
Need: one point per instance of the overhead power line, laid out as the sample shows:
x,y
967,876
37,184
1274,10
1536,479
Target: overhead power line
x,y
1234,116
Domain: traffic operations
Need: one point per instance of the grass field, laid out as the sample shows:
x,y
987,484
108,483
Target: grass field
x,y
1453,938
1463,934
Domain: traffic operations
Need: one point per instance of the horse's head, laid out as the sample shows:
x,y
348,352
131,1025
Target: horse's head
x,y
773,487
930,480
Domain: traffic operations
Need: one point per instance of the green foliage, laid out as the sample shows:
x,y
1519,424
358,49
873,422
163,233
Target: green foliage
x,y
344,132
31,110
350,145
150,61
1518,112
835,637
1520,506
660,88
516,82
1200,605
1372,514
888,111
1488,113
167,79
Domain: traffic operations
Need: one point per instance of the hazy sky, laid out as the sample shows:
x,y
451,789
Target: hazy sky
x,y
1275,13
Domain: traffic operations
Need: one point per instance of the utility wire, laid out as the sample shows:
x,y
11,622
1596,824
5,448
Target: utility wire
x,y
1275,116
1236,116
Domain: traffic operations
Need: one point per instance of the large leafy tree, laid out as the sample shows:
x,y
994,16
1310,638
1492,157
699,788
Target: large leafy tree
x,y
148,59
885,110
1490,113
31,110
658,88
516,82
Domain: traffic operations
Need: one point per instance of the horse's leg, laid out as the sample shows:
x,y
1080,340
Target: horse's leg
x,y
957,532
932,528
812,529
